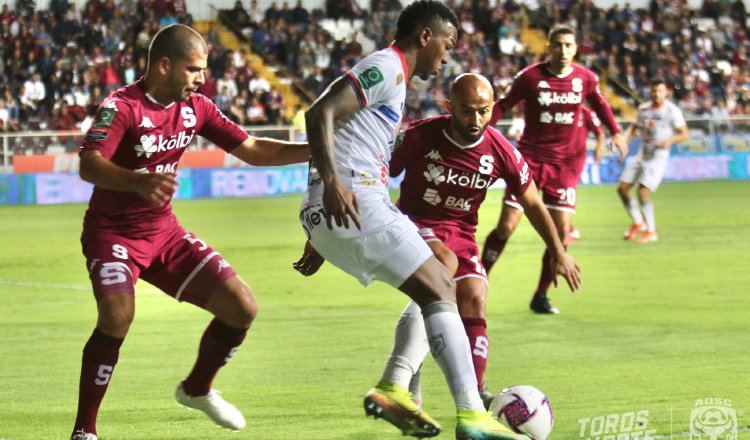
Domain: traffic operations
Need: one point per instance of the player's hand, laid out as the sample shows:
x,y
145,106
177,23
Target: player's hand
x,y
310,261
340,203
157,188
598,153
568,268
665,144
619,142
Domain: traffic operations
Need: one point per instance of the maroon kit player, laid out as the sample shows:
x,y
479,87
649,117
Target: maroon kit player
x,y
130,232
553,92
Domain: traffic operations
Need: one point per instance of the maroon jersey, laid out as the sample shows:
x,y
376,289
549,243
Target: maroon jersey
x,y
447,182
552,110
137,133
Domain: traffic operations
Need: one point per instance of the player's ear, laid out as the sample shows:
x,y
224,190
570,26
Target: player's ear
x,y
164,65
425,35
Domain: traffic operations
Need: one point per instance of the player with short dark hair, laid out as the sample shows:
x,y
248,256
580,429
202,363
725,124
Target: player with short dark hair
x,y
349,219
553,92
130,154
662,124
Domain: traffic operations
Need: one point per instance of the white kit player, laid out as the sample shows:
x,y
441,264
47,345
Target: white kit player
x,y
661,124
350,220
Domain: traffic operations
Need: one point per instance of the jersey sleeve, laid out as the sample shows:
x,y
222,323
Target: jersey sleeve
x,y
599,105
678,119
593,124
217,128
405,150
113,117
516,173
375,79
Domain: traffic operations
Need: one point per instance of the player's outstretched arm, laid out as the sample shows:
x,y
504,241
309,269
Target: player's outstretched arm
x,y
338,101
309,262
154,187
540,219
270,152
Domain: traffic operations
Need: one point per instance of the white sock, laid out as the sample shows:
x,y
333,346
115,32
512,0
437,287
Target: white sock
x,y
634,212
648,212
450,348
409,347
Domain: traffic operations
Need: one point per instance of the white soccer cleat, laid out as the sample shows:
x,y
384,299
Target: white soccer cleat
x,y
80,435
219,410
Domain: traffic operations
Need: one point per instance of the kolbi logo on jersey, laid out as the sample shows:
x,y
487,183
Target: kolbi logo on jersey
x,y
548,98
467,180
434,174
150,144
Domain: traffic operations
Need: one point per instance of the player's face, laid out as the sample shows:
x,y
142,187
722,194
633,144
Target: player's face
x,y
471,115
186,76
562,48
432,57
658,93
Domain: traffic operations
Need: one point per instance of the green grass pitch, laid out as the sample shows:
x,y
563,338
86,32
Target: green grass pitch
x,y
655,327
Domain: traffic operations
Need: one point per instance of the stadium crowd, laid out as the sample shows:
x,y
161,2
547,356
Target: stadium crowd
x,y
59,63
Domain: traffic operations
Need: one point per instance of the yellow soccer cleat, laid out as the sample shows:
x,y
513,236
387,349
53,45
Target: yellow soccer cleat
x,y
394,404
480,425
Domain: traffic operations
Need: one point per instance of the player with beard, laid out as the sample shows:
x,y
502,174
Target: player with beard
x,y
450,161
553,93
130,154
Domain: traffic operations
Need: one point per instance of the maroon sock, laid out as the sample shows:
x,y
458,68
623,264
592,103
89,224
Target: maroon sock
x,y
476,330
493,248
218,345
99,358
547,277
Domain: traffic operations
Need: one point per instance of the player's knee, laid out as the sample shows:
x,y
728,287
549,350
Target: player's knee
x,y
447,287
114,322
247,307
505,228
472,305
622,190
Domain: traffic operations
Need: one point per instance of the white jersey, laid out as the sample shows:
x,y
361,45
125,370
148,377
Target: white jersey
x,y
657,124
365,139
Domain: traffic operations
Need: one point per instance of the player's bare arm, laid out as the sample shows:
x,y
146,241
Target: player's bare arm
x,y
271,152
542,222
681,135
154,187
600,146
338,101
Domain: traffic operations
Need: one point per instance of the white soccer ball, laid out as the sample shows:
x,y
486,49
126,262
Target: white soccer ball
x,y
524,409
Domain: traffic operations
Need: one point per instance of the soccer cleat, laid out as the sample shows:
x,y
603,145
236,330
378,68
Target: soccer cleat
x,y
80,435
573,235
648,237
486,396
393,404
480,425
633,231
540,304
218,409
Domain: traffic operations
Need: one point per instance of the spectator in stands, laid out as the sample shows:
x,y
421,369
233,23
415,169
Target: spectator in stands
x,y
224,99
256,113
258,85
273,102
236,111
228,83
34,93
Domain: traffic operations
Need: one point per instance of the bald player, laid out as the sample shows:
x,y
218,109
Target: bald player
x,y
450,161
130,154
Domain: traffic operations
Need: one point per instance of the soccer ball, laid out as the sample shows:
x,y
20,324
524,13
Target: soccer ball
x,y
525,410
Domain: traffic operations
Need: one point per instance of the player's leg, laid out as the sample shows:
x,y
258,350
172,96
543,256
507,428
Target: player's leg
x,y
234,310
432,289
191,271
113,274
647,207
540,302
628,177
471,295
495,242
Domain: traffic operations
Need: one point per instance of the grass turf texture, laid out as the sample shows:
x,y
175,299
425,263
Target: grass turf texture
x,y
655,327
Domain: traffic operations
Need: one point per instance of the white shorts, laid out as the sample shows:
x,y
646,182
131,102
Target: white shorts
x,y
387,249
646,171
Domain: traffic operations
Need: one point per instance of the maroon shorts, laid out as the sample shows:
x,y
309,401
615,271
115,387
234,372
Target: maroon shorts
x,y
557,183
175,261
462,242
